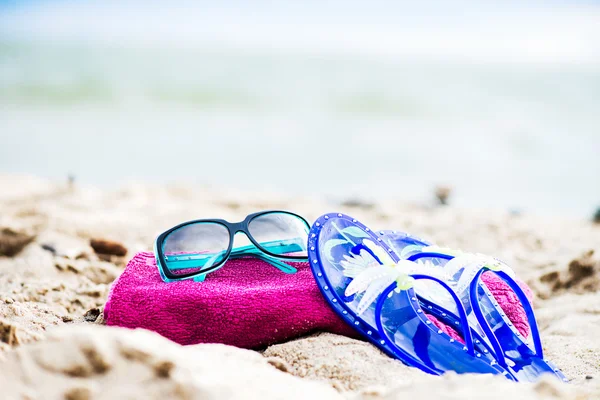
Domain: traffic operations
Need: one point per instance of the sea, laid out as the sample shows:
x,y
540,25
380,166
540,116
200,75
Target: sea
x,y
347,100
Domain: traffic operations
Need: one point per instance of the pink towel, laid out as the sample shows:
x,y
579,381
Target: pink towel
x,y
248,303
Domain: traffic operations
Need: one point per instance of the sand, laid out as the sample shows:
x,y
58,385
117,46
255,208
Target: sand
x,y
53,286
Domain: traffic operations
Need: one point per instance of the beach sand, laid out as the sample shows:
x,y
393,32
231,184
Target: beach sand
x,y
53,287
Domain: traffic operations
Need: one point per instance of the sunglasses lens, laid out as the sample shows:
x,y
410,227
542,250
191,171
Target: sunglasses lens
x,y
195,247
280,234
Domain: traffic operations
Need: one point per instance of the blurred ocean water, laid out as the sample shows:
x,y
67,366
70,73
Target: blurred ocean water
x,y
509,121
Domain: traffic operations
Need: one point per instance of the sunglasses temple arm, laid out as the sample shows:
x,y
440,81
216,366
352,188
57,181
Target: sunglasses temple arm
x,y
287,246
281,246
288,269
291,245
191,260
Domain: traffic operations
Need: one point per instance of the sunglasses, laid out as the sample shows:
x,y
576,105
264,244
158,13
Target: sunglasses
x,y
193,249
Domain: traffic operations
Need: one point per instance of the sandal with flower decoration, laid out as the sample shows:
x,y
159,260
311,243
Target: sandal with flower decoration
x,y
415,311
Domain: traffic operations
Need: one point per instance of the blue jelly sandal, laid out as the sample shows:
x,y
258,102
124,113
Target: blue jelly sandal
x,y
365,280
521,355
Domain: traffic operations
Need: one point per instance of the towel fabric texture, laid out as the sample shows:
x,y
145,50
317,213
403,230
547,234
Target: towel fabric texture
x,y
248,303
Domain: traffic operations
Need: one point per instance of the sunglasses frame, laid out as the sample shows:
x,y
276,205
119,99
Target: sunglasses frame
x,y
233,228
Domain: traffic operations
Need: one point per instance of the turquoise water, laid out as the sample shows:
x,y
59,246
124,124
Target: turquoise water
x,y
517,133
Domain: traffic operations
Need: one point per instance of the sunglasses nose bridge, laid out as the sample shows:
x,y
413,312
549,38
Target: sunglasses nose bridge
x,y
243,242
237,227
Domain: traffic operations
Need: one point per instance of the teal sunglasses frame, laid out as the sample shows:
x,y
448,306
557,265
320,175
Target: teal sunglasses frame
x,y
264,251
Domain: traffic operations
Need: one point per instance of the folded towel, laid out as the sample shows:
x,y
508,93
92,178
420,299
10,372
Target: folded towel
x,y
248,303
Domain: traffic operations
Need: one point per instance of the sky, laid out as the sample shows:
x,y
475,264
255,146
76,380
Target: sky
x,y
507,32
